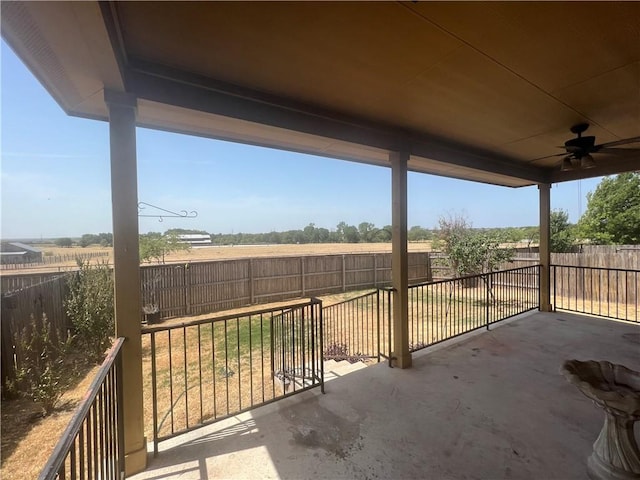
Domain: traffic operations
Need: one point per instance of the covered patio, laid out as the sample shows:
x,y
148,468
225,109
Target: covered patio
x,y
487,405
485,92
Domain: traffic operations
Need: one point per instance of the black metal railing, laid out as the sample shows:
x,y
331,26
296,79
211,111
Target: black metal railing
x,y
606,292
360,328
206,370
92,446
445,309
355,329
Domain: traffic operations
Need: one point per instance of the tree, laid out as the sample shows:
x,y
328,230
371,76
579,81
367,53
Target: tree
x,y
340,232
64,242
531,235
185,231
613,211
562,232
351,234
367,232
88,239
43,374
417,234
470,252
156,246
90,307
105,239
310,234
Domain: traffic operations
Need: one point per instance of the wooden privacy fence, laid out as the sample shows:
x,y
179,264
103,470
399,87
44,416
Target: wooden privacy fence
x,y
12,283
198,288
596,284
588,282
18,307
48,260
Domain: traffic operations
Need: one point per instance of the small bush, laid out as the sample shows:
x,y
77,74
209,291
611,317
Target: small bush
x,y
340,351
90,308
42,374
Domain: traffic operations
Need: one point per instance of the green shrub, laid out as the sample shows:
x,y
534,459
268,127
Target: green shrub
x,y
90,308
42,374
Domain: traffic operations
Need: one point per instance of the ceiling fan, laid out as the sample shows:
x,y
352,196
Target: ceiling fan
x,y
578,150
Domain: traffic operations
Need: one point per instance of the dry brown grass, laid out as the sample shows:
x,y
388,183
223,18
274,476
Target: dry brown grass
x,y
203,254
28,439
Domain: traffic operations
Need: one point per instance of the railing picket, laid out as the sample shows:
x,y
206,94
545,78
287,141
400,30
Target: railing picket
x,y
238,358
82,451
81,446
186,379
213,370
200,372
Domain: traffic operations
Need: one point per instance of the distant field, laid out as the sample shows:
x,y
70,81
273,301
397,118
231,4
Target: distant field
x,y
202,254
240,251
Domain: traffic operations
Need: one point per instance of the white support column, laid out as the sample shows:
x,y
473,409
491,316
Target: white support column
x,y
545,244
126,260
399,259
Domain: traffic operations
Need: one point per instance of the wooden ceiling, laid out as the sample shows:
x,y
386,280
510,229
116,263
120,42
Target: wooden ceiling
x,y
475,90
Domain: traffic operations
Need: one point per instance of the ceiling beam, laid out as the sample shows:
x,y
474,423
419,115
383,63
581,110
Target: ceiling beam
x,y
174,87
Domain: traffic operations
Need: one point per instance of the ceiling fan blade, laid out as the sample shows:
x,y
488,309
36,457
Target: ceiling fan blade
x,y
619,142
563,154
617,150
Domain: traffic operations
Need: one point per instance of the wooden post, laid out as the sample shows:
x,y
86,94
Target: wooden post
x,y
399,259
545,250
126,271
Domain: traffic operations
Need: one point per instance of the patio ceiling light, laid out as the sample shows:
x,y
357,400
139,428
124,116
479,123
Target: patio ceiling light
x,y
566,164
587,162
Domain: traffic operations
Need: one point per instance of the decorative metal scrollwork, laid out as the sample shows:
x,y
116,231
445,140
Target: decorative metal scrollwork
x,y
167,214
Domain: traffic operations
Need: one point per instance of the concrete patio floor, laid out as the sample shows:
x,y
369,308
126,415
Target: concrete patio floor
x,y
489,405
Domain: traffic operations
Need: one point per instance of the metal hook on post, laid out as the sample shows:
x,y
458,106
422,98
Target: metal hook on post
x,y
168,214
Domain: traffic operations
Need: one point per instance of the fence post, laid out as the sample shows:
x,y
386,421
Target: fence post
x,y
553,269
378,319
344,274
251,288
187,287
486,299
375,272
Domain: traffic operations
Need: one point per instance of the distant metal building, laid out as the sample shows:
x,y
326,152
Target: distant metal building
x,y
195,239
16,252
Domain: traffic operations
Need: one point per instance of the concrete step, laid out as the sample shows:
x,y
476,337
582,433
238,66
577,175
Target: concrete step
x,y
333,369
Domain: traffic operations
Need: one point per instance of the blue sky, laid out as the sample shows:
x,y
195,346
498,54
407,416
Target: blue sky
x,y
55,180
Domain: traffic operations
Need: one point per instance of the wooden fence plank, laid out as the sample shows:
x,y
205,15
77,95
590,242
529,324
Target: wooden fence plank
x,y
17,309
204,287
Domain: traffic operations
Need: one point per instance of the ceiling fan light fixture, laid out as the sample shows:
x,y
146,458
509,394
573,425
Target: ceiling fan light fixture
x,y
587,162
566,164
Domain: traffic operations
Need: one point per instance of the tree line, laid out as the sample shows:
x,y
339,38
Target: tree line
x,y
365,232
612,217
